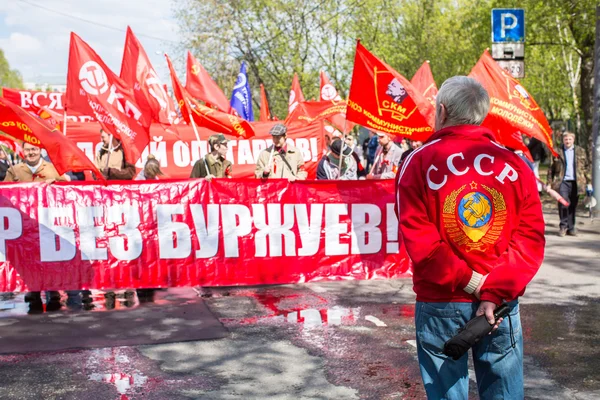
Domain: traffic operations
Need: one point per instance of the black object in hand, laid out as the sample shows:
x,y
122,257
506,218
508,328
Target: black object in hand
x,y
471,333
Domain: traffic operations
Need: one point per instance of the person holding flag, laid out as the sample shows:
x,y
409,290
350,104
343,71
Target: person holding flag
x,y
214,164
34,168
280,160
387,158
110,159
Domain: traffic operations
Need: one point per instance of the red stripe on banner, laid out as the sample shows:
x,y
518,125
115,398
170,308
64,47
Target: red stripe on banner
x,y
183,233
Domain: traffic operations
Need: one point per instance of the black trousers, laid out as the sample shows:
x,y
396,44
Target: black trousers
x,y
568,190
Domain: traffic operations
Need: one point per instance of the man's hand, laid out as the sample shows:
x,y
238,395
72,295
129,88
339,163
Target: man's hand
x,y
209,177
292,179
266,171
487,308
477,292
50,181
370,176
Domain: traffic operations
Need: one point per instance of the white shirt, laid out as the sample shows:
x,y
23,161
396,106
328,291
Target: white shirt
x,y
570,164
35,167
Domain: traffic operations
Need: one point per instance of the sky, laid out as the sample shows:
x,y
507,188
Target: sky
x,y
35,39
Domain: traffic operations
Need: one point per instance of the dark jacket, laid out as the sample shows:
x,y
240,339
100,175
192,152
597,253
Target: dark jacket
x,y
537,150
372,148
556,172
4,166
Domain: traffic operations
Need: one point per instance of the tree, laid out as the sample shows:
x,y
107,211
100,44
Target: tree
x,y
9,77
279,37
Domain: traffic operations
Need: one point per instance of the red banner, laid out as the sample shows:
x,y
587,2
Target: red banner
x,y
328,92
423,82
200,85
205,116
296,95
512,109
93,88
177,156
32,100
63,152
137,72
307,112
383,100
182,233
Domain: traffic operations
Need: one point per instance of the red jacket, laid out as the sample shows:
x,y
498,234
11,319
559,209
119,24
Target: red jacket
x,y
468,206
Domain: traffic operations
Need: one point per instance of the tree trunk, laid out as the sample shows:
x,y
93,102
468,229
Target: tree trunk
x,y
587,99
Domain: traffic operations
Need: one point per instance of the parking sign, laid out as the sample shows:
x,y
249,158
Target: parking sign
x,y
508,25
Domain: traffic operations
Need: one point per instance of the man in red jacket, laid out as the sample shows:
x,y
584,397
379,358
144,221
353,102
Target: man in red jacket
x,y
472,223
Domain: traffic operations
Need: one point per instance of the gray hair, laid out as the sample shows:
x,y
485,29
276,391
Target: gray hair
x,y
466,101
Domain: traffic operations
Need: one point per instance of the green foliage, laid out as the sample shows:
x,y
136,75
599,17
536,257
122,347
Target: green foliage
x,y
9,77
280,37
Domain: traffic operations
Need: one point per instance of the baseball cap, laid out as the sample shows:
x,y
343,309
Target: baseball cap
x,y
218,138
381,133
336,147
278,130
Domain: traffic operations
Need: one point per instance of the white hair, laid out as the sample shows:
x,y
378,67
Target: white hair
x,y
465,100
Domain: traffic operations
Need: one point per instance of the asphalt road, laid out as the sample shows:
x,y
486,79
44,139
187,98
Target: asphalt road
x,y
334,340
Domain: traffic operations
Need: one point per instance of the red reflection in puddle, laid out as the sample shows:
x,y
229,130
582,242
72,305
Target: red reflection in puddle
x,y
403,310
308,313
120,373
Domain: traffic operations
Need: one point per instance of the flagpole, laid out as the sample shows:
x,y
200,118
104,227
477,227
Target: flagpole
x,y
194,126
343,142
374,163
271,157
110,149
65,121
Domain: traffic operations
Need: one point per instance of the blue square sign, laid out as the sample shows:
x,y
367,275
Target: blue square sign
x,y
508,25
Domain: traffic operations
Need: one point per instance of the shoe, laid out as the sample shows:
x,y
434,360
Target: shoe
x,y
562,232
572,233
31,297
53,305
35,307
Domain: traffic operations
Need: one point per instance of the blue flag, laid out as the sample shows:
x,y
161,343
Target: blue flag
x,y
241,99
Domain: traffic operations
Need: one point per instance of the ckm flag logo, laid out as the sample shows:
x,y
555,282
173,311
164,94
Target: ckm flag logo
x,y
241,99
390,95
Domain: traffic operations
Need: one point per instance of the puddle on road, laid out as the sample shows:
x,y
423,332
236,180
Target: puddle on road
x,y
564,341
308,310
126,379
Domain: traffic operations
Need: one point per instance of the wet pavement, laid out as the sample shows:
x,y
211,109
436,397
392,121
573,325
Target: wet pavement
x,y
330,340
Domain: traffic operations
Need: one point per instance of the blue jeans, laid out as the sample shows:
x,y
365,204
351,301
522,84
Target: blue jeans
x,y
498,358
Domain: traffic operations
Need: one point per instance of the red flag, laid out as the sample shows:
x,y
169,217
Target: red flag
x,y
137,73
92,88
310,111
383,100
424,83
63,152
200,85
296,95
204,116
53,118
328,92
511,107
265,114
